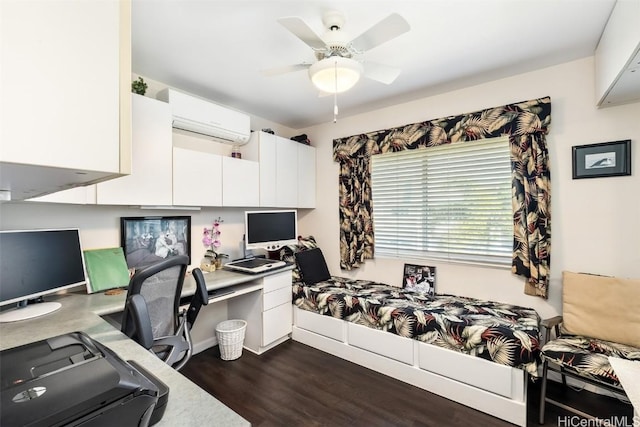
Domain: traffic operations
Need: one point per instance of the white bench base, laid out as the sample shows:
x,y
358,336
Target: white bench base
x,y
488,387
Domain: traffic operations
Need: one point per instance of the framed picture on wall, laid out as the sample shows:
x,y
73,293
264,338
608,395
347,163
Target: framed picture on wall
x,y
147,240
419,278
601,160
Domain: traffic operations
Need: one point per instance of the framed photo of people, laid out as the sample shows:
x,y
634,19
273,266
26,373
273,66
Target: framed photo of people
x,y
419,278
147,240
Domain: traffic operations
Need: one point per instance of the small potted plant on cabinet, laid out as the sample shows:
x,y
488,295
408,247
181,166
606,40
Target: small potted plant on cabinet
x,y
139,86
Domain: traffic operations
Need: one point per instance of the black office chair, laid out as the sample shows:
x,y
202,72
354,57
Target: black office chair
x,y
152,315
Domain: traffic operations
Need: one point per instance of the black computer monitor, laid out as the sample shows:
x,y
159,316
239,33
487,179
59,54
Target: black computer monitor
x,y
35,263
270,230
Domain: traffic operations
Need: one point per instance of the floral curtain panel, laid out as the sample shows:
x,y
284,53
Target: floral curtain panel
x,y
526,124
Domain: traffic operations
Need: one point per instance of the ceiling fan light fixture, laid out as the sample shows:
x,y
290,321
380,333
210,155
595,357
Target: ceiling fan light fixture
x,y
335,74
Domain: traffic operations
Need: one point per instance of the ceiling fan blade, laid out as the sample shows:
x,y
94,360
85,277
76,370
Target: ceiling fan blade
x,y
380,72
389,28
300,29
285,69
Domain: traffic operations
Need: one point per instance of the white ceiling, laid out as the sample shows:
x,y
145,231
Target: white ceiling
x,y
217,48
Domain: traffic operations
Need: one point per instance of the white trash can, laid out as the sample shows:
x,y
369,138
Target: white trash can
x,y
230,334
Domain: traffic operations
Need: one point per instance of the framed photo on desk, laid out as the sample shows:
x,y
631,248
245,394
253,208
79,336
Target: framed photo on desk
x,y
147,240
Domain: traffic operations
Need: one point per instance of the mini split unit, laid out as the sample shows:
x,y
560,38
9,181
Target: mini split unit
x,y
204,117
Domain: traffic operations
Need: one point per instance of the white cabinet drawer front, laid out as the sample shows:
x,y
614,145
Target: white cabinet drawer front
x,y
383,343
471,370
326,326
277,281
277,297
276,323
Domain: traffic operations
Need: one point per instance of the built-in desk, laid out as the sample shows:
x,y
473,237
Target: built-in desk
x,y
263,300
188,404
218,280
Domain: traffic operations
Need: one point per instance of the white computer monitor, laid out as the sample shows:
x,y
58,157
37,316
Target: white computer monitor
x,y
270,230
36,263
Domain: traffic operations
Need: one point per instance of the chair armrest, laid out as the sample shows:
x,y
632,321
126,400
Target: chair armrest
x,y
553,322
550,323
200,298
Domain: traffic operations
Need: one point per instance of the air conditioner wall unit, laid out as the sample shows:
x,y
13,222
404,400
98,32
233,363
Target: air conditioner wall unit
x,y
207,118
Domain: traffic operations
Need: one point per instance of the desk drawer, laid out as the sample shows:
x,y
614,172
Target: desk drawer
x,y
277,297
277,323
277,281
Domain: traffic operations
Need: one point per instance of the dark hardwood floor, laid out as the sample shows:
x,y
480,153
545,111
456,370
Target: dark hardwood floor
x,y
296,385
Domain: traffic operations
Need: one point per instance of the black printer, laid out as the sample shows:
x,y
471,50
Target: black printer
x,y
74,380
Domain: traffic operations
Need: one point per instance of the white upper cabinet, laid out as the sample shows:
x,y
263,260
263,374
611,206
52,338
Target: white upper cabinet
x,y
262,149
150,182
617,56
197,178
287,170
65,82
306,176
240,182
286,173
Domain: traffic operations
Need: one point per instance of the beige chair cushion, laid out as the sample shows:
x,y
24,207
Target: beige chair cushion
x,y
607,308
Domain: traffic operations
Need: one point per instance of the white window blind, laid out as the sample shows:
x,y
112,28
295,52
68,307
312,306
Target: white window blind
x,y
447,202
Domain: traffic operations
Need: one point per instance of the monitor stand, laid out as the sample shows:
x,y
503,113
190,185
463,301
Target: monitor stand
x,y
29,312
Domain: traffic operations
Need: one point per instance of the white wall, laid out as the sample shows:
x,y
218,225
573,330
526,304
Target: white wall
x,y
595,222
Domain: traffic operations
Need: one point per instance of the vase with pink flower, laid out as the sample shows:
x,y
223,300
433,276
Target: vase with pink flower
x,y
211,240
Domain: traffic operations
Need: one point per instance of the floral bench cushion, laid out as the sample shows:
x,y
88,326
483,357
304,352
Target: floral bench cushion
x,y
502,333
588,357
343,298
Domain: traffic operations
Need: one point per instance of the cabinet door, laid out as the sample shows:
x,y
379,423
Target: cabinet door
x,y
240,182
617,56
151,169
197,178
276,323
267,153
306,176
60,108
286,172
61,93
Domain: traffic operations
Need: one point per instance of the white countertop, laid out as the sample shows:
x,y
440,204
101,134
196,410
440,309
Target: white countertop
x,y
188,404
103,304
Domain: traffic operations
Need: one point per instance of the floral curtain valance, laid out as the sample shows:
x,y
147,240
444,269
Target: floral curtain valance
x,y
525,123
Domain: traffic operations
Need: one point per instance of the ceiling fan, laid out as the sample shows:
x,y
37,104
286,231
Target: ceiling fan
x,y
337,70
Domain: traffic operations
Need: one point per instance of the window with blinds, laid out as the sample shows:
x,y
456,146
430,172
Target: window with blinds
x,y
447,202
